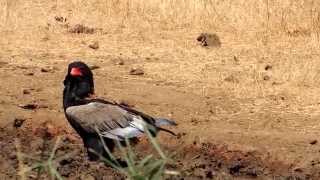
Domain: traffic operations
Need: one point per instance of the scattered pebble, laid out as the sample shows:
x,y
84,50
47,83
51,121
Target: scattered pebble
x,y
235,167
236,60
209,174
120,62
209,39
32,176
45,70
202,38
49,69
313,142
136,71
30,106
79,28
29,74
18,122
268,67
266,78
94,45
180,135
45,38
60,19
13,155
300,170
26,91
93,67
37,90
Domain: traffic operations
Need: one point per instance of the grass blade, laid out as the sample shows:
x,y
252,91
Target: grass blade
x,y
155,144
145,161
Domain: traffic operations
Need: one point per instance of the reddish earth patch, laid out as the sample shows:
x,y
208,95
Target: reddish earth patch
x,y
196,161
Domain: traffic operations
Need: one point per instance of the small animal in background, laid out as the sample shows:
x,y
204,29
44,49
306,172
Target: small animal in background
x,y
209,39
93,118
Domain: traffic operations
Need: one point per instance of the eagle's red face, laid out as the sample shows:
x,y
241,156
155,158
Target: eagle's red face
x,y
76,71
79,80
79,68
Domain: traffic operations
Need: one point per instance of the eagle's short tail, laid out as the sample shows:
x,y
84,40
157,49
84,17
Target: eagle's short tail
x,y
165,122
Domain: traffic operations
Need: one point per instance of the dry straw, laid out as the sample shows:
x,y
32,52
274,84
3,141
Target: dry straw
x,y
298,16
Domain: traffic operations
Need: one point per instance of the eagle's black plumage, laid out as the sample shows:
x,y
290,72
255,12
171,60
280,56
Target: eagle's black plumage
x,y
90,116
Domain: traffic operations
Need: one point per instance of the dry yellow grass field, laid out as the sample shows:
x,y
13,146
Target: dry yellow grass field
x,y
258,92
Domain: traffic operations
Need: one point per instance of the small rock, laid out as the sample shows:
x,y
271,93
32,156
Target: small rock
x,y
180,135
45,38
33,176
25,91
66,161
209,39
276,83
60,19
209,174
236,60
93,67
29,74
313,142
28,106
13,155
202,38
235,168
65,171
94,45
266,78
46,70
18,122
136,71
300,170
79,28
268,67
120,62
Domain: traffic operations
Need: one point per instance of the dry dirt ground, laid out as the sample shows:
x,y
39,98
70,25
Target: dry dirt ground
x,y
247,109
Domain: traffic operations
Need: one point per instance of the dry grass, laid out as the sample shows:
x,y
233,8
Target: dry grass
x,y
298,17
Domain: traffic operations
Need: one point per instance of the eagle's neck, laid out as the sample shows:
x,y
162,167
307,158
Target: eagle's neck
x,y
76,91
70,98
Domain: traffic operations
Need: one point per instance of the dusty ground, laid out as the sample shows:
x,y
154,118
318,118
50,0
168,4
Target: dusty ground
x,y
247,109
